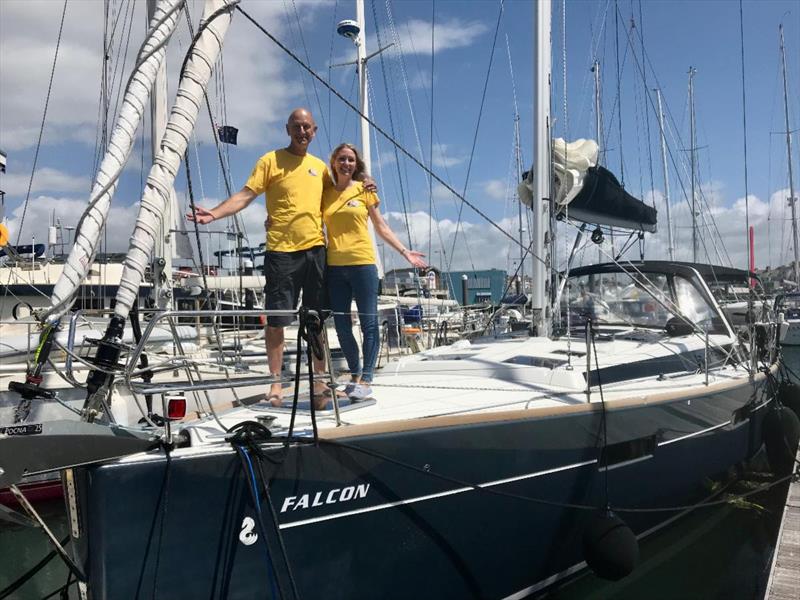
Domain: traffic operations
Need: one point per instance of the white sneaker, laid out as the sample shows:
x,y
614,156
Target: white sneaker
x,y
348,389
360,392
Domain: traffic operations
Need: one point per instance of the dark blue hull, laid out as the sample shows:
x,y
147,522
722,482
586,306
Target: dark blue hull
x,y
391,514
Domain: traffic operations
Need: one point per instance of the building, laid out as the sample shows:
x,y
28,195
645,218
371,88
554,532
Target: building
x,y
408,280
485,286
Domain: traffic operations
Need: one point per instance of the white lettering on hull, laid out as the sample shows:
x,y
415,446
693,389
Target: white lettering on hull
x,y
334,496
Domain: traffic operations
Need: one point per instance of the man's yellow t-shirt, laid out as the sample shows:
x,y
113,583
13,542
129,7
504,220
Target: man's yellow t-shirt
x,y
345,214
293,186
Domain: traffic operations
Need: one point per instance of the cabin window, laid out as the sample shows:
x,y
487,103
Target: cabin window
x,y
692,304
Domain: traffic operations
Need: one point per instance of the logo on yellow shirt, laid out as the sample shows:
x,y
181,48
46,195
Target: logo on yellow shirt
x,y
312,172
353,203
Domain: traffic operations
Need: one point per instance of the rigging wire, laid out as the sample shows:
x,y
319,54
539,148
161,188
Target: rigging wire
x,y
430,147
313,83
677,165
744,138
619,94
475,136
434,132
645,89
41,127
391,126
381,131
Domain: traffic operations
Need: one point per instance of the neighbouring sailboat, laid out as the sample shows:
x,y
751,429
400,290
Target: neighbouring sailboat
x,y
489,469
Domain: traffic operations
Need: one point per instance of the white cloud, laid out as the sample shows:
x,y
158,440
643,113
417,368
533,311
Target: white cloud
x,y
444,156
261,84
45,179
478,245
449,34
721,232
495,189
42,208
415,39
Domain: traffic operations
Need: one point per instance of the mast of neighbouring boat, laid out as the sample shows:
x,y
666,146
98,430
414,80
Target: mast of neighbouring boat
x,y
520,283
693,143
162,260
541,168
792,197
671,247
518,164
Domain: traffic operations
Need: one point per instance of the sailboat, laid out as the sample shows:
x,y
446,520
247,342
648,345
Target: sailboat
x,y
788,305
490,469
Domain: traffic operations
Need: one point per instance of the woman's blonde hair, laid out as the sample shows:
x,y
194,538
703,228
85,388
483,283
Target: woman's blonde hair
x,y
360,170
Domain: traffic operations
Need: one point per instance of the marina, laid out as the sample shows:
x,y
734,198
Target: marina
x,y
614,414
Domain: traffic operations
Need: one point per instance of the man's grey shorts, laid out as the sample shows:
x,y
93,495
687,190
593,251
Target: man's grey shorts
x,y
288,273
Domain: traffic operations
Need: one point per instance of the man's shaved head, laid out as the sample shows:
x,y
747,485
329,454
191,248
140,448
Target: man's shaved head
x,y
301,129
300,114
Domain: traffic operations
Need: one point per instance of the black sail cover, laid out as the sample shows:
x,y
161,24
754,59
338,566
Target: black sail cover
x,y
603,201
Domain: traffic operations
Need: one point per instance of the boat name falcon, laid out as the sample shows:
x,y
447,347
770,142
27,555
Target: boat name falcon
x,y
353,492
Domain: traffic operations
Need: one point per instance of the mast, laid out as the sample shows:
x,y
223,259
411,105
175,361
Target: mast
x,y
518,163
598,112
520,283
354,31
792,197
598,128
671,247
693,143
541,166
162,292
363,95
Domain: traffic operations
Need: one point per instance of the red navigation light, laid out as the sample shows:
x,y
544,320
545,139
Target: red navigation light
x,y
176,409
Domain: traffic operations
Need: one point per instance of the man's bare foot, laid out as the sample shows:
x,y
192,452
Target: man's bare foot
x,y
275,400
320,401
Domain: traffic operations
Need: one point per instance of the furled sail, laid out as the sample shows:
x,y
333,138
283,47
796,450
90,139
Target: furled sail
x,y
156,196
137,92
588,192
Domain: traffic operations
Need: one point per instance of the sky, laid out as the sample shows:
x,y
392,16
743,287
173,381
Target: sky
x,y
443,91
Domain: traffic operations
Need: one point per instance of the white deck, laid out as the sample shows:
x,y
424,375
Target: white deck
x,y
469,378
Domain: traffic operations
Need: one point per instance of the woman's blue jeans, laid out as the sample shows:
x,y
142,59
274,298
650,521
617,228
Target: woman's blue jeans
x,y
344,284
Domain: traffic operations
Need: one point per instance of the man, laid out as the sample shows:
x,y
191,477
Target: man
x,y
292,180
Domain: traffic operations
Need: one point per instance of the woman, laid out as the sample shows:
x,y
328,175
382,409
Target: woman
x,y
351,262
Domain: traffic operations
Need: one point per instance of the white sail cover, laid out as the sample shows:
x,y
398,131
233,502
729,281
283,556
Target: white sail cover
x,y
571,162
137,92
156,196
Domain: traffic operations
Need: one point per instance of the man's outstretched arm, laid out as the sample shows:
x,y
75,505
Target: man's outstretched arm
x,y
226,208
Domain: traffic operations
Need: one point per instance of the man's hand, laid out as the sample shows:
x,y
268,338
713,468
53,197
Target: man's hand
x,y
369,184
203,216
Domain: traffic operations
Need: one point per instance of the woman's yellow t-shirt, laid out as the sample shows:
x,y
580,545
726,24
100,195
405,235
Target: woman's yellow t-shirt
x,y
346,215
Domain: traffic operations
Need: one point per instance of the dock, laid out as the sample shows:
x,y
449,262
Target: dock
x,y
784,577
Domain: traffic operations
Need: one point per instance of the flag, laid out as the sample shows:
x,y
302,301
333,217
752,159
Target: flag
x,y
2,162
227,134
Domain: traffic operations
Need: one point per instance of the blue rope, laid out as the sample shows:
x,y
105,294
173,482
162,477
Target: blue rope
x,y
271,573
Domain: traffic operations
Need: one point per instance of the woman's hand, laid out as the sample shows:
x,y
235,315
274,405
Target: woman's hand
x,y
414,257
201,216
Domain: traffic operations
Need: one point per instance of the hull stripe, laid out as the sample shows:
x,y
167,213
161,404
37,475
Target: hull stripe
x,y
453,492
